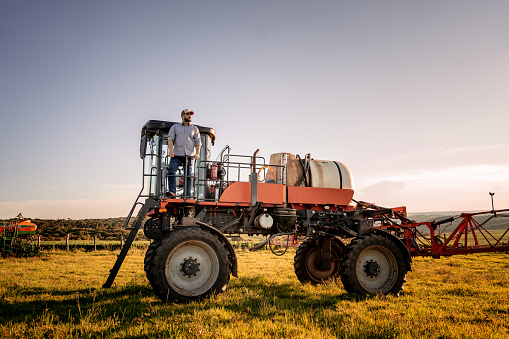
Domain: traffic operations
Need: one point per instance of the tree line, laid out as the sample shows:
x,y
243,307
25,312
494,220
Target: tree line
x,y
83,229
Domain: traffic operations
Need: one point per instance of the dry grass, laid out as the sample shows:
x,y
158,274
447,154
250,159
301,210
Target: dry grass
x,y
61,297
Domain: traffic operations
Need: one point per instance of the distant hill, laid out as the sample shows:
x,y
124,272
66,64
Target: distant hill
x,y
430,216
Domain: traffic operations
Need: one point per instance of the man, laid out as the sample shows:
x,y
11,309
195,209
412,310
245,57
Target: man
x,y
183,145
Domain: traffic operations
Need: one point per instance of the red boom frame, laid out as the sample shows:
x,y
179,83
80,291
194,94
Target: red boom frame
x,y
469,236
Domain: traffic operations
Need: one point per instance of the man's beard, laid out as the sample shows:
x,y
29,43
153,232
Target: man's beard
x,y
187,119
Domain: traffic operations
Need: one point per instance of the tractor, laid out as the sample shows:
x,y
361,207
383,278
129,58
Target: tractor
x,y
14,238
368,247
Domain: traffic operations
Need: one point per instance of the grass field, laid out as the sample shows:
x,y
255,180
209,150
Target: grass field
x,y
60,296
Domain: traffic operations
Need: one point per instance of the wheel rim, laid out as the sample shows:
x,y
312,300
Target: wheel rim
x,y
192,268
314,271
376,269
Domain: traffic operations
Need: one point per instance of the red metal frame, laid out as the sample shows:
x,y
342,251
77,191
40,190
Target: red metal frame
x,y
464,239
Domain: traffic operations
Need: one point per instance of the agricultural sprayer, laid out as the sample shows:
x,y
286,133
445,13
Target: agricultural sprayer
x,y
14,238
368,247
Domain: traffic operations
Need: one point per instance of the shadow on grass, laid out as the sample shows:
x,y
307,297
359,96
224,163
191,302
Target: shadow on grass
x,y
254,297
71,305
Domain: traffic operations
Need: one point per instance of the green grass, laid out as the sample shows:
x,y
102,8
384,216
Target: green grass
x,y
60,296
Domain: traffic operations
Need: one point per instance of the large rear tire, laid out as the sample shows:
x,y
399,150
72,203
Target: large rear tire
x,y
189,264
307,262
373,264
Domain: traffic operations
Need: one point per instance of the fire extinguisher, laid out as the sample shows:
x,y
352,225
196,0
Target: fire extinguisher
x,y
213,172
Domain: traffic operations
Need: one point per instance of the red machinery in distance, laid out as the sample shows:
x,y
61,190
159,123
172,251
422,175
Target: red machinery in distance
x,y
13,234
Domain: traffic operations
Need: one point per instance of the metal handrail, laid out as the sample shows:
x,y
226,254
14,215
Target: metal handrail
x,y
233,172
186,177
228,167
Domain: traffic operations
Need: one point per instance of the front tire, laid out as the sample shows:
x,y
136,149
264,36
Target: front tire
x,y
189,264
148,258
373,264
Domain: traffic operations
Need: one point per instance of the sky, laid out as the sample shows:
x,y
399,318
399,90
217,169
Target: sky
x,y
412,96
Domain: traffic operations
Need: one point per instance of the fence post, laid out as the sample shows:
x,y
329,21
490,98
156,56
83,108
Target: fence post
x,y
67,242
121,241
39,240
95,243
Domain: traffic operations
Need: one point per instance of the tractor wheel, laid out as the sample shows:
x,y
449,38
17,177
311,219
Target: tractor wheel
x,y
190,263
148,258
373,264
307,262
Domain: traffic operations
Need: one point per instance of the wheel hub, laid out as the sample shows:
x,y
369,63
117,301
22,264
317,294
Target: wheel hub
x,y
190,266
372,268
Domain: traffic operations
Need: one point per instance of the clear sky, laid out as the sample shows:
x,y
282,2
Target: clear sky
x,y
413,96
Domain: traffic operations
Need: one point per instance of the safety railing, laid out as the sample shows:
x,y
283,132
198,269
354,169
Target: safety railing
x,y
209,178
182,177
214,177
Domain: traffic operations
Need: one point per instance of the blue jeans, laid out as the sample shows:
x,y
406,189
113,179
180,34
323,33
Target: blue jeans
x,y
175,162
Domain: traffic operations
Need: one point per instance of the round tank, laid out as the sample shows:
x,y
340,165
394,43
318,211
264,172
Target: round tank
x,y
264,221
322,173
330,174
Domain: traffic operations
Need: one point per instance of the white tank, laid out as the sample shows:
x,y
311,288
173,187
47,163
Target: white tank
x,y
330,174
264,221
322,173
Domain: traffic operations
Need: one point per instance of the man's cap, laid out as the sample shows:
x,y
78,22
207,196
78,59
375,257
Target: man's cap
x,y
187,111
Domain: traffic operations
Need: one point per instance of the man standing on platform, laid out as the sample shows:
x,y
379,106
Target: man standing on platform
x,y
183,147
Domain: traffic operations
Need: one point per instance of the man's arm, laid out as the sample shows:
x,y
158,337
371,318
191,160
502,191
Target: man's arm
x,y
171,154
197,152
171,137
197,144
